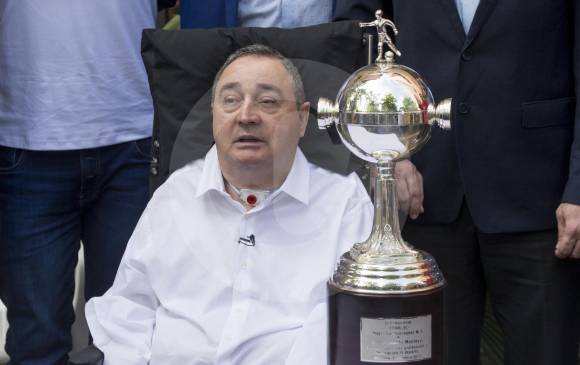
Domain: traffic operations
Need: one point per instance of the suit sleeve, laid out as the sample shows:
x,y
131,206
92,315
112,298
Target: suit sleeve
x,y
572,190
121,321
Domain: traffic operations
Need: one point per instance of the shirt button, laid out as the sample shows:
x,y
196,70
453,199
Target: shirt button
x,y
464,108
466,55
244,266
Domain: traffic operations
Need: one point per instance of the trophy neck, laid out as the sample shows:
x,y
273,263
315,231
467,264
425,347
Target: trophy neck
x,y
386,236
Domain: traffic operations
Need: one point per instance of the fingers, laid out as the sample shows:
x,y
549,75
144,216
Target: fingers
x,y
403,195
559,250
576,252
410,188
568,247
415,187
568,218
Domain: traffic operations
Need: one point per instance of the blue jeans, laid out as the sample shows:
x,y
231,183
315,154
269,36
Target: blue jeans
x,y
49,202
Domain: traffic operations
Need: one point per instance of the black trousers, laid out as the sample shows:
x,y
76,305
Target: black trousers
x,y
535,296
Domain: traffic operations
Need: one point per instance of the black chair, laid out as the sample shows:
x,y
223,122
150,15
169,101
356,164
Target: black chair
x,y
181,66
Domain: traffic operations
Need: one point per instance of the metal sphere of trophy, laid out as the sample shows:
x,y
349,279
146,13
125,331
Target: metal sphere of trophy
x,y
384,113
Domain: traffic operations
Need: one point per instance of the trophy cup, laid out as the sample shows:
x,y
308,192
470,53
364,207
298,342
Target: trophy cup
x,y
386,298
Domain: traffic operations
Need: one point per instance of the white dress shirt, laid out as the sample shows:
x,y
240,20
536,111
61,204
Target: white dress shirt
x,y
466,10
188,293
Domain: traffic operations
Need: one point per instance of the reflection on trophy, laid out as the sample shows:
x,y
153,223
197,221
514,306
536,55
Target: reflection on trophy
x,y
386,303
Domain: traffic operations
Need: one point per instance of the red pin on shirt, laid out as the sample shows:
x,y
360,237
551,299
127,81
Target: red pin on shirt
x,y
251,199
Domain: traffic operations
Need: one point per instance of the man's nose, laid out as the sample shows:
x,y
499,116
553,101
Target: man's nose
x,y
248,112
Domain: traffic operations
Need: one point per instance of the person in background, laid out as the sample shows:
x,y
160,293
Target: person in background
x,y
229,262
75,127
502,190
252,13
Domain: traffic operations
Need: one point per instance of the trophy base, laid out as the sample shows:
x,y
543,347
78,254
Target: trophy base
x,y
391,329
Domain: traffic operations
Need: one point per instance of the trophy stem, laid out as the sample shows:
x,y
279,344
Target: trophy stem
x,y
385,236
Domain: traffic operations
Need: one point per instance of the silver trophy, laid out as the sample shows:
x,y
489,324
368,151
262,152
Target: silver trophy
x,y
387,297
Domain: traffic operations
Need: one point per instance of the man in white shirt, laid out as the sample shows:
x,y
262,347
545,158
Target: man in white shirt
x,y
229,262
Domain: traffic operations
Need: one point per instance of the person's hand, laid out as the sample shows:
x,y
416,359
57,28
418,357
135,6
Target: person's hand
x,y
409,188
568,216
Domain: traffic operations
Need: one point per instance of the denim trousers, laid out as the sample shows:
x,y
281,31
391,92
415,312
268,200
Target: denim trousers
x,y
49,202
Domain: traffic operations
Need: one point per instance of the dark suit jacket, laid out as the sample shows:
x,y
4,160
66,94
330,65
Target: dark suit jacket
x,y
513,152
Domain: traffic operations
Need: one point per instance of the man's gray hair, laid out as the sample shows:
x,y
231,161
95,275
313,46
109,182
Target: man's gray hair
x,y
260,50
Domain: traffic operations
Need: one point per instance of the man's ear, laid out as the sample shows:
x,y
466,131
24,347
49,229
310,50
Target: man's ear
x,y
303,113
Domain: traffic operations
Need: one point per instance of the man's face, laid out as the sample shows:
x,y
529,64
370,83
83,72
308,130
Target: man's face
x,y
256,119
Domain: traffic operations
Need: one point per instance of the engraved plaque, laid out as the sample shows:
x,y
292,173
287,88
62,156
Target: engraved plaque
x,y
395,340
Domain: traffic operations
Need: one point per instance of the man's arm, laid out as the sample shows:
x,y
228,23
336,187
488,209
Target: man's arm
x,y
568,213
121,322
369,24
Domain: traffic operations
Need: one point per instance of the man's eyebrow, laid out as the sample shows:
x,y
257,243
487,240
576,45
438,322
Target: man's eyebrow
x,y
229,86
260,86
269,87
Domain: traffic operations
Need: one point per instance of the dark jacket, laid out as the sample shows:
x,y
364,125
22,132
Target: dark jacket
x,y
209,14
514,151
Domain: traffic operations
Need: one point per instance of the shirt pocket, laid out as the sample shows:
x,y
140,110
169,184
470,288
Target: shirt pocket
x,y
548,113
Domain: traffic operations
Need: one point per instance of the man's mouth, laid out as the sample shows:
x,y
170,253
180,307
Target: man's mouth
x,y
248,139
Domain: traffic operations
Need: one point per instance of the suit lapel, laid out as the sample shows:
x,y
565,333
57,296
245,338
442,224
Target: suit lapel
x,y
453,16
482,13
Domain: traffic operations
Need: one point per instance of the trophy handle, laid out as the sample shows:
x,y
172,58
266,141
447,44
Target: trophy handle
x,y
440,114
327,113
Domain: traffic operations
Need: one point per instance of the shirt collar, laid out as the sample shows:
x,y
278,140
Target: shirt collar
x,y
211,175
296,184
